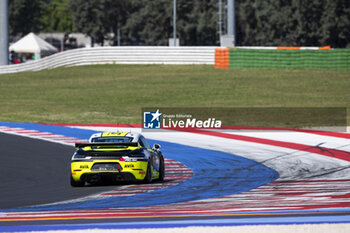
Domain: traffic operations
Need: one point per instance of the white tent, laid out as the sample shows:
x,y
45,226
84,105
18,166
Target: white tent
x,y
32,43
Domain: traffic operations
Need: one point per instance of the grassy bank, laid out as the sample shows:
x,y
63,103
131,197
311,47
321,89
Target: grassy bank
x,y
116,93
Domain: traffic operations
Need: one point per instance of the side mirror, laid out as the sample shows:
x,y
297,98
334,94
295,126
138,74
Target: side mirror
x,y
156,147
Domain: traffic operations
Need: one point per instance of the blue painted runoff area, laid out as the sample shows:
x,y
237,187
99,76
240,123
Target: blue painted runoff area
x,y
216,174
184,223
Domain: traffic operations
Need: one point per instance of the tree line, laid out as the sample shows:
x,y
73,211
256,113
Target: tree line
x,y
149,22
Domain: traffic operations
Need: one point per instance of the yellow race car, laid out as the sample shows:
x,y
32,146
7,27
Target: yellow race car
x,y
116,157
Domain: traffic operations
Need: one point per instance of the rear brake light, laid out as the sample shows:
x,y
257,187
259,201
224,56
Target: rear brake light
x,y
122,159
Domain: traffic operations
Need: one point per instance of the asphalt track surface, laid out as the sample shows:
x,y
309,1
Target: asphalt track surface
x,y
36,172
55,187
23,185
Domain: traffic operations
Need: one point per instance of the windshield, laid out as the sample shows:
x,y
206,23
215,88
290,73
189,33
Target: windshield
x,y
112,139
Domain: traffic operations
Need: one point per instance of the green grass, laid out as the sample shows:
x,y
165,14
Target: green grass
x,y
116,93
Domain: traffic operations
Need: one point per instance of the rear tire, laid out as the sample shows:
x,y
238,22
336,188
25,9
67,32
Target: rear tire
x,y
161,171
74,183
148,177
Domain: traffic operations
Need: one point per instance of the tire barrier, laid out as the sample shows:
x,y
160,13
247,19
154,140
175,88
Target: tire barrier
x,y
119,55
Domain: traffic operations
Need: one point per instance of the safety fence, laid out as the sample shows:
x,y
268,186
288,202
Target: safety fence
x,y
282,57
119,55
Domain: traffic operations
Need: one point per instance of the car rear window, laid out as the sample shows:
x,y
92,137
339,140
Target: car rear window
x,y
112,139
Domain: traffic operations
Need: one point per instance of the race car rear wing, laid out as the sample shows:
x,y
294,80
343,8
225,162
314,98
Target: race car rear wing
x,y
112,144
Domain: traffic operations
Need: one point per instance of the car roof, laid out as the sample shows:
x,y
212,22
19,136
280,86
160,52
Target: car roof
x,y
134,135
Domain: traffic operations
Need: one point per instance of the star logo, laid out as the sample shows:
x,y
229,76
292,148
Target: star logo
x,y
156,115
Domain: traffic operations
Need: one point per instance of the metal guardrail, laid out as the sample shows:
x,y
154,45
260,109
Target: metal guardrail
x,y
118,55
